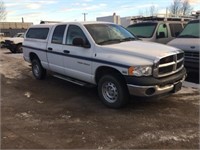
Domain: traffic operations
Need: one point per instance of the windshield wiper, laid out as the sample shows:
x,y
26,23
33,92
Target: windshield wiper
x,y
129,39
110,41
141,36
188,36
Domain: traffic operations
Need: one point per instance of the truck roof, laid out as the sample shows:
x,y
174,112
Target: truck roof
x,y
77,23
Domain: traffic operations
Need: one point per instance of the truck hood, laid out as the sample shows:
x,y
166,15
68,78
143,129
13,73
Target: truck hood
x,y
146,50
13,38
186,44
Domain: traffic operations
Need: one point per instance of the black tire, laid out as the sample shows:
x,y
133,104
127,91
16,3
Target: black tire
x,y
38,71
19,48
12,50
113,91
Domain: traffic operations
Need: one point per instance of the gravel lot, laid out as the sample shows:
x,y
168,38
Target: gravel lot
x,y
55,114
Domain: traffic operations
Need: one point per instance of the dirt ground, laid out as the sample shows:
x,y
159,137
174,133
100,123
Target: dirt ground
x,y
55,114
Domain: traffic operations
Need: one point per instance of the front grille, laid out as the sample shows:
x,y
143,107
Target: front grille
x,y
191,55
8,42
167,69
169,65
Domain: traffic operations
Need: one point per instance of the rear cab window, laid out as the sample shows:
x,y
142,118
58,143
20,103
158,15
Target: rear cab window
x,y
37,33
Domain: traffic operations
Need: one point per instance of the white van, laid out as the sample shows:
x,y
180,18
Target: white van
x,y
189,42
158,29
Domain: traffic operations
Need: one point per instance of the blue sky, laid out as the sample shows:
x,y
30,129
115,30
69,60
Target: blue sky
x,y
71,10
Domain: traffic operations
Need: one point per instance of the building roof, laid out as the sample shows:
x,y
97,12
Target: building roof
x,y
15,25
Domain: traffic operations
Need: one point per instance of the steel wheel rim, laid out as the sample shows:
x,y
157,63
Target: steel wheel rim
x,y
20,49
110,92
36,70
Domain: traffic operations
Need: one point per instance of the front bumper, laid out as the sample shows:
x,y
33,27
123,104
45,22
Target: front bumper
x,y
149,86
9,45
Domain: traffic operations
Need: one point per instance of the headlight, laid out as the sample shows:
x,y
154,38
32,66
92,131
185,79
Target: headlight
x,y
140,71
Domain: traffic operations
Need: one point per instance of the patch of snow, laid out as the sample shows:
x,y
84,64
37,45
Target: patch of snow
x,y
28,94
40,102
191,85
169,137
178,138
24,115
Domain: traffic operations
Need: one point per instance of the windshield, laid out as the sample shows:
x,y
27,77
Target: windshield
x,y
108,33
143,30
191,30
19,35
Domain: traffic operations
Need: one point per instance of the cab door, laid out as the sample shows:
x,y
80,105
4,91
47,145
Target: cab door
x,y
55,50
77,61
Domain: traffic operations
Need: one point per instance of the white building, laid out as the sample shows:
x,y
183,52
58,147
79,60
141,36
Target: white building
x,y
124,21
114,18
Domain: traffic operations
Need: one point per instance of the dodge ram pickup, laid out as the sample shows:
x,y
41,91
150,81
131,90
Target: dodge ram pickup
x,y
105,55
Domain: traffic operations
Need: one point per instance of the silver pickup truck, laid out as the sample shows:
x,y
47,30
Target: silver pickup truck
x,y
189,42
104,55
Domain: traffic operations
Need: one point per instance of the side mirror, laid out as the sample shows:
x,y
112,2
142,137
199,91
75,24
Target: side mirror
x,y
80,42
161,35
164,25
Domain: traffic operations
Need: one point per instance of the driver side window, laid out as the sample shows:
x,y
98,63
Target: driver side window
x,y
162,31
74,32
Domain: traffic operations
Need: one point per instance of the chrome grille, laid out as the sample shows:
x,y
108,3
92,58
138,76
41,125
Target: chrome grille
x,y
169,65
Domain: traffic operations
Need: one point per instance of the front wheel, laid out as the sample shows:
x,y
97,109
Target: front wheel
x,y
19,48
113,91
38,71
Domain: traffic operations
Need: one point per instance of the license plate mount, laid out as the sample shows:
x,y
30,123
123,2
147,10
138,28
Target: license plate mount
x,y
177,87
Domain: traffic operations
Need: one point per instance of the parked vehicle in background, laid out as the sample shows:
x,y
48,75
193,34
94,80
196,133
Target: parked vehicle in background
x,y
19,35
104,55
157,29
14,44
189,42
1,39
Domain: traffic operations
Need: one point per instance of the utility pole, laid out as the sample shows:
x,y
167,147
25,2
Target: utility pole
x,y
84,14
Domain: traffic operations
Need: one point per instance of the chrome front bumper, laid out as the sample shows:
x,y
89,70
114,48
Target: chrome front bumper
x,y
147,91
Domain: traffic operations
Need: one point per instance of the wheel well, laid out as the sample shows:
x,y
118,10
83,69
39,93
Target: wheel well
x,y
32,56
107,70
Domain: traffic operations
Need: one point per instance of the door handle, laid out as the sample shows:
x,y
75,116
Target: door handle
x,y
66,51
192,47
50,49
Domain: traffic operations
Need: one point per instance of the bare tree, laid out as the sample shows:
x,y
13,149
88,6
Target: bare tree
x,y
153,10
175,8
180,7
141,13
186,8
3,12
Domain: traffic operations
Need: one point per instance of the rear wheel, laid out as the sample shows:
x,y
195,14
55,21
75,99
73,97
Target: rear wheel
x,y
38,71
113,91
